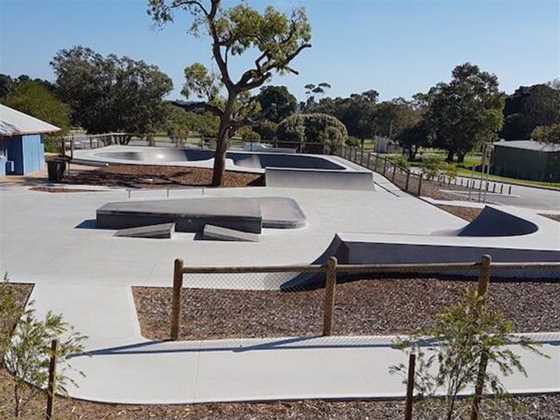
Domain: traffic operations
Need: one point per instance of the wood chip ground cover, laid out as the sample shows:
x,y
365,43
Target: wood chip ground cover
x,y
543,407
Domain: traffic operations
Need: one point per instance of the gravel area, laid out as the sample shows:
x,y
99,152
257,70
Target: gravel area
x,y
154,176
363,307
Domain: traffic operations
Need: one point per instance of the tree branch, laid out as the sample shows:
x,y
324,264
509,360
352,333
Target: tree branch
x,y
204,106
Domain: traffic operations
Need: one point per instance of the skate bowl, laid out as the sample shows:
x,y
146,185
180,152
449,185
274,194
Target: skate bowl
x,y
281,169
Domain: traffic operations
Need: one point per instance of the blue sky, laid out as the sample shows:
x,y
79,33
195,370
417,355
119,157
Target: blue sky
x,y
397,47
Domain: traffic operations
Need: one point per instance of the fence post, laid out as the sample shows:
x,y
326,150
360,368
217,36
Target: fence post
x,y
330,289
420,176
384,165
52,380
394,172
176,302
410,386
368,160
407,181
483,282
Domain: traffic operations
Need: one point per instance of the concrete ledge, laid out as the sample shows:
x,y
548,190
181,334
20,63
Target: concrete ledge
x,y
161,231
222,234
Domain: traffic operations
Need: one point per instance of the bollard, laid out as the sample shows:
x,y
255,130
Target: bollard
x,y
330,290
502,189
509,193
51,385
176,300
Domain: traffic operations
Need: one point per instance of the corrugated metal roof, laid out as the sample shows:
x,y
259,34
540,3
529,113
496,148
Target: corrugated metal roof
x,y
529,145
15,123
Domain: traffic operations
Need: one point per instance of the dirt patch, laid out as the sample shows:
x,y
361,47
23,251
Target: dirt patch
x,y
363,307
467,213
154,176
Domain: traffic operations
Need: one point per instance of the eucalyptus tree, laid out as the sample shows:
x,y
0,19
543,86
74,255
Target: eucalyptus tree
x,y
276,37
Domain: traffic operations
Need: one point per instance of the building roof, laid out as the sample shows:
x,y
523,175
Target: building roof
x,y
529,145
15,123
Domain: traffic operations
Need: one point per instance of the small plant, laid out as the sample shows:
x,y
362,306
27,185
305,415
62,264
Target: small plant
x,y
451,172
400,161
449,353
433,166
27,352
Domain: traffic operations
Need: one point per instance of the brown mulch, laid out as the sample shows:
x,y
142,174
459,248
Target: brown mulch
x,y
543,407
364,307
467,213
154,176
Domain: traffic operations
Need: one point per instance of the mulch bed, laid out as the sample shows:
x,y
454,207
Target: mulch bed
x,y
467,213
543,407
61,190
363,307
155,176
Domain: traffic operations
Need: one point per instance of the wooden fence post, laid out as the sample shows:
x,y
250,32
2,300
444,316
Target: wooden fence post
x,y
410,386
330,289
407,181
484,277
368,160
51,385
394,173
384,165
483,282
420,176
176,302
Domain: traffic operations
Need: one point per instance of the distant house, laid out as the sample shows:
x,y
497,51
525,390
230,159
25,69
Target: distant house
x,y
21,142
527,159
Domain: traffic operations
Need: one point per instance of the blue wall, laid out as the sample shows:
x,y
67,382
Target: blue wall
x,y
27,153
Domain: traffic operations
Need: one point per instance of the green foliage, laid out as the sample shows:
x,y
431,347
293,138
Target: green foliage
x,y
205,124
530,107
34,99
177,124
247,134
276,103
312,128
275,37
26,353
111,94
432,166
547,134
414,137
266,129
465,112
449,352
400,161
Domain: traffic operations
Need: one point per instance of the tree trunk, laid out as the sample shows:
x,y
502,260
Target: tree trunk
x,y
450,155
221,143
460,157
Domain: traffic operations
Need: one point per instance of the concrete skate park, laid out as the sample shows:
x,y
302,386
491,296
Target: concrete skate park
x,y
102,243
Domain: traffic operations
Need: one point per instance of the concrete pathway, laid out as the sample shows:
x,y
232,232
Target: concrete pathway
x,y
87,275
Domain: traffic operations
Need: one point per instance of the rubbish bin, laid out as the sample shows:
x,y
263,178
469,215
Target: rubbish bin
x,y
56,168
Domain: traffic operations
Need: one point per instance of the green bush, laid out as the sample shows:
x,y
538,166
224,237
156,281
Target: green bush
x,y
433,165
266,129
247,134
316,132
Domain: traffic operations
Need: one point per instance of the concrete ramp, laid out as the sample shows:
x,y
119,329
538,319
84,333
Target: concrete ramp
x,y
494,222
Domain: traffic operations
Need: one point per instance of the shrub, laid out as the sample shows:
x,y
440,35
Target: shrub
x,y
315,132
247,134
433,166
266,129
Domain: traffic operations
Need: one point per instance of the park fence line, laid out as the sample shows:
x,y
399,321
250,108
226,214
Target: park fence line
x,y
485,266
